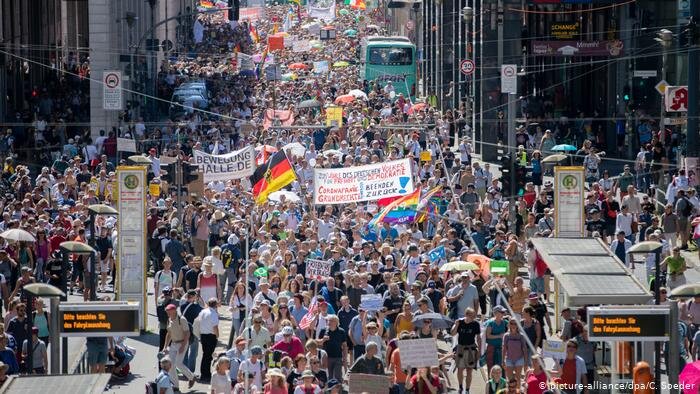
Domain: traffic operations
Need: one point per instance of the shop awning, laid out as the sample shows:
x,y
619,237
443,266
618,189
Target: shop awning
x,y
589,273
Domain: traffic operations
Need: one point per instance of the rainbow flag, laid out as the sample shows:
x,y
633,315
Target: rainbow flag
x,y
253,33
427,206
206,4
399,211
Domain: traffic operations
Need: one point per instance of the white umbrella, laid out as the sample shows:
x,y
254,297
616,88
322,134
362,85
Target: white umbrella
x,y
288,196
18,235
296,148
332,152
357,93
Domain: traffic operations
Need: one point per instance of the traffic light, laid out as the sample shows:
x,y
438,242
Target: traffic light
x,y
169,174
688,36
189,173
505,164
626,94
234,9
520,179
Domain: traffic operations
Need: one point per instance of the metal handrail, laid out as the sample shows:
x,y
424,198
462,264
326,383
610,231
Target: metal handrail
x,y
80,365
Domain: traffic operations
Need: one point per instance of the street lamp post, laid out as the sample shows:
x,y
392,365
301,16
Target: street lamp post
x,y
664,37
468,16
94,210
645,248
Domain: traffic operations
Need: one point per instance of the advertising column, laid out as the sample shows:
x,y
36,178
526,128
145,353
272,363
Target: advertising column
x,y
569,217
131,241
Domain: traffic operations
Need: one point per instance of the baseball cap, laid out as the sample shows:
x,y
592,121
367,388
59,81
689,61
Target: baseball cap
x,y
499,308
287,330
166,289
256,350
170,307
532,295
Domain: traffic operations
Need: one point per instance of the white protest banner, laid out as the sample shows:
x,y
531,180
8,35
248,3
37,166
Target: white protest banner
x,y
366,383
416,353
245,62
322,9
126,145
362,183
321,67
371,302
301,46
289,41
234,165
317,269
554,349
314,29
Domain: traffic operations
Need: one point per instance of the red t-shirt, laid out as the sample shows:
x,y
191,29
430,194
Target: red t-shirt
x,y
56,241
420,387
534,383
293,348
568,372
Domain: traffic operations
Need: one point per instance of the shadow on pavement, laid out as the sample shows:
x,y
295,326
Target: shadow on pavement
x,y
149,338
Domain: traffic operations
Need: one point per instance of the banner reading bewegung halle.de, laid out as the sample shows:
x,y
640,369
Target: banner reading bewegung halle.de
x,y
362,183
234,165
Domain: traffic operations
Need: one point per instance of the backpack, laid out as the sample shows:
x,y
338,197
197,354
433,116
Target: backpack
x,y
576,328
152,385
687,209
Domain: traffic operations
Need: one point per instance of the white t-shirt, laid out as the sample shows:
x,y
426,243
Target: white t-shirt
x,y
208,320
256,368
220,384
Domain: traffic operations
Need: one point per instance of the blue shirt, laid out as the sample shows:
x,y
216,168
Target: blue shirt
x,y
8,357
392,234
299,313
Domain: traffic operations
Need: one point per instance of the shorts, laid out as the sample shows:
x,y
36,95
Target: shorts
x,y
537,285
515,363
537,178
467,356
104,266
97,354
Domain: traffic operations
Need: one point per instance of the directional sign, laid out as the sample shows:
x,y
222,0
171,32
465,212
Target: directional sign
x,y
661,86
467,67
509,79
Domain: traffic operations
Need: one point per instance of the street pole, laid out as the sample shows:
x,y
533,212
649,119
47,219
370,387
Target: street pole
x,y
55,337
673,359
693,85
472,90
510,140
481,77
664,38
657,301
93,256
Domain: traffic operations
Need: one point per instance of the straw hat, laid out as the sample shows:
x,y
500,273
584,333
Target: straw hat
x,y
275,372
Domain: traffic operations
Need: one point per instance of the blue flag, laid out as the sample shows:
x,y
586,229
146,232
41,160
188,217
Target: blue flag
x,y
437,254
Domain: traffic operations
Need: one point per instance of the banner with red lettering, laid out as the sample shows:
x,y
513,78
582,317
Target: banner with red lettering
x,y
362,183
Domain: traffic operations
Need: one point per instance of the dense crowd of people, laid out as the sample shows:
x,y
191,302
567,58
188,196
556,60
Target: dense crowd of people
x,y
221,259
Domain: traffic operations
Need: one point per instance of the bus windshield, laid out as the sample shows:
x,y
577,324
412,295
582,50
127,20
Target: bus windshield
x,y
390,56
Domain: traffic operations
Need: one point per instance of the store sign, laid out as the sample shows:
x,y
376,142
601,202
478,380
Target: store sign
x,y
628,323
577,48
569,201
98,319
131,243
564,30
676,98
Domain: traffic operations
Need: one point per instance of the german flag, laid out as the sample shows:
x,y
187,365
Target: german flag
x,y
272,176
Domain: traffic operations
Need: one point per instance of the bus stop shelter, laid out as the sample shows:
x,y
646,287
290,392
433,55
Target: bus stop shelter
x,y
29,384
587,273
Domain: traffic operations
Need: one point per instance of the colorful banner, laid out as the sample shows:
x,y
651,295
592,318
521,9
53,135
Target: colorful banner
x,y
363,183
234,165
577,48
251,14
334,116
